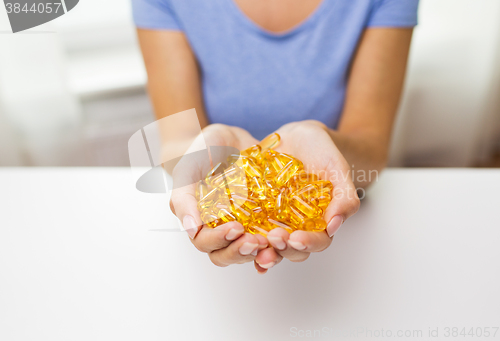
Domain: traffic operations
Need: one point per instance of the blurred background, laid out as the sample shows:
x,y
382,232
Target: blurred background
x,y
73,91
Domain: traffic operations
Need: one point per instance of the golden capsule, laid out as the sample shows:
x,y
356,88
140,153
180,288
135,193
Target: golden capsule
x,y
250,166
210,219
230,175
225,215
275,223
201,190
257,188
323,201
280,206
308,192
295,216
261,229
248,203
292,168
284,158
243,215
209,199
313,225
303,177
259,216
264,189
253,151
270,142
309,209
324,186
217,169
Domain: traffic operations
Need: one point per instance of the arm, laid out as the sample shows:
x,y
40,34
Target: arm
x,y
374,88
173,74
373,94
174,86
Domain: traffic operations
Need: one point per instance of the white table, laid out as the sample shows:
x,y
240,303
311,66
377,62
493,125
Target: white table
x,y
78,262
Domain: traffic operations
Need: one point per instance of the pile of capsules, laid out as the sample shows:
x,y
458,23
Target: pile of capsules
x,y
263,189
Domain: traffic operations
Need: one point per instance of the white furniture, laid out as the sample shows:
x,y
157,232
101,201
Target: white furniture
x,y
78,262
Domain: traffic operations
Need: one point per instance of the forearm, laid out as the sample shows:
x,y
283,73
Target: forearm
x,y
366,156
373,93
174,86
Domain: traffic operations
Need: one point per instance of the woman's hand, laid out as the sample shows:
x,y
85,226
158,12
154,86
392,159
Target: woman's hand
x,y
310,142
226,244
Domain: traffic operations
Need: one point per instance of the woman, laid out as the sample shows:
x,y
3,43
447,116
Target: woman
x,y
326,75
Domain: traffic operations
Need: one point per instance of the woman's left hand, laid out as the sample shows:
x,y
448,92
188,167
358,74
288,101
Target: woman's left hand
x,y
310,142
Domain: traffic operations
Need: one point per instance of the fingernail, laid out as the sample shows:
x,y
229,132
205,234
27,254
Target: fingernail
x,y
254,253
334,225
234,233
190,226
296,245
248,248
267,266
278,242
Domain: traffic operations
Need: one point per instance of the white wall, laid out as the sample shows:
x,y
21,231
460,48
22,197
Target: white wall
x,y
449,109
34,95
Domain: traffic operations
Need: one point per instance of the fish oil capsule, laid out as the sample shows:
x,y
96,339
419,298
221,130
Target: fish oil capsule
x,y
271,190
240,190
209,199
308,192
258,229
210,219
257,188
295,216
313,225
243,215
201,190
288,171
229,176
259,216
284,158
217,169
270,142
225,215
324,186
250,166
301,179
323,201
304,177
248,203
253,151
309,209
280,207
275,224
273,163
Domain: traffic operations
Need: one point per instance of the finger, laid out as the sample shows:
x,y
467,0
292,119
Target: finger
x,y
309,241
279,239
184,205
242,250
260,270
209,239
267,258
263,242
345,203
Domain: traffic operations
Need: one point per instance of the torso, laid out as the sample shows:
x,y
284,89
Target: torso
x,y
278,15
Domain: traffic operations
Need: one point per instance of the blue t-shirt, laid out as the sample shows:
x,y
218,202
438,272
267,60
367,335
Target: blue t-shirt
x,y
259,80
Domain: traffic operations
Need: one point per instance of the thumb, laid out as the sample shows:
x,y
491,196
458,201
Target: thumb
x,y
184,205
345,203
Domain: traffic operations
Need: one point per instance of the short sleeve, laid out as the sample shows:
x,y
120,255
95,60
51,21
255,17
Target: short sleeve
x,y
394,13
154,14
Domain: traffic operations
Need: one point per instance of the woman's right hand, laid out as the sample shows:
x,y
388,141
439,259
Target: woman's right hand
x,y
228,243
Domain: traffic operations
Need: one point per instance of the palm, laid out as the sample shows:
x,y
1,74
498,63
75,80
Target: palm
x,y
315,148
